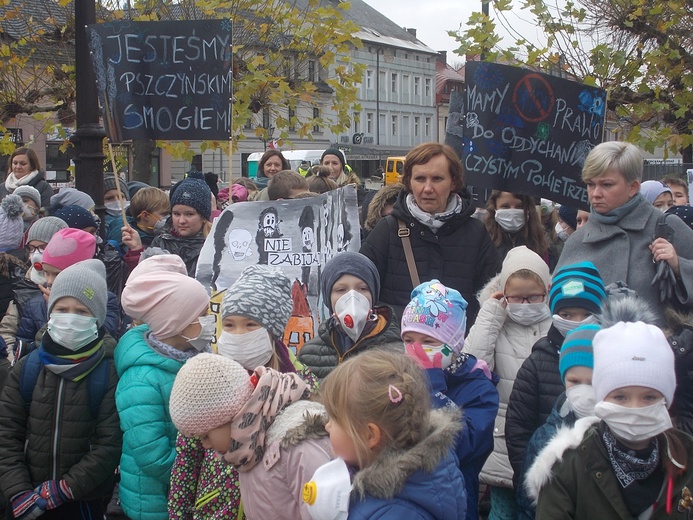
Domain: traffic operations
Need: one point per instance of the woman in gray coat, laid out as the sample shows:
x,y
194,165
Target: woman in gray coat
x,y
619,237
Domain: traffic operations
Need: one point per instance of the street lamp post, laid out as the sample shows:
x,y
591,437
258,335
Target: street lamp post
x,y
88,139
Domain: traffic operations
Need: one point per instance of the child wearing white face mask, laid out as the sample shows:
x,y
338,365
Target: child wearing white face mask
x,y
350,286
576,297
514,315
254,311
58,420
172,308
575,403
631,463
433,326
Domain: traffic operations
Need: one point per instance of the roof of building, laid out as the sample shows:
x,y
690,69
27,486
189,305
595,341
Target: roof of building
x,y
445,73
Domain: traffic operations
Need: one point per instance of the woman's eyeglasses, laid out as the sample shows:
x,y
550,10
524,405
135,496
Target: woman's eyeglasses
x,y
32,249
532,298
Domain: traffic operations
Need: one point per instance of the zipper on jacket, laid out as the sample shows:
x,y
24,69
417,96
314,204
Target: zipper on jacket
x,y
56,429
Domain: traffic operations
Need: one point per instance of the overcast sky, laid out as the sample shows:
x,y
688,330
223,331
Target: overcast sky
x,y
433,18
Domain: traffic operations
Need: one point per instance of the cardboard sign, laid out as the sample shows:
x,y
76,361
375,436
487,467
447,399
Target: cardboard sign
x,y
163,80
526,132
298,236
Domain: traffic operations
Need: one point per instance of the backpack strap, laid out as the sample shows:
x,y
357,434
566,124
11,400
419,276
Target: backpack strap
x,y
97,382
403,233
97,386
31,368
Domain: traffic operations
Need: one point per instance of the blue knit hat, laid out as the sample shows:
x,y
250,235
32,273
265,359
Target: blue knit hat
x,y
76,217
194,193
577,285
568,215
352,263
577,348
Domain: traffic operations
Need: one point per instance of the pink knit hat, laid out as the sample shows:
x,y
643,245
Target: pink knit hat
x,y
208,392
158,263
166,301
69,246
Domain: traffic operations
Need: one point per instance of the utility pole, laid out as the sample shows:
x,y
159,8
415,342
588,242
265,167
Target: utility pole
x,y
88,139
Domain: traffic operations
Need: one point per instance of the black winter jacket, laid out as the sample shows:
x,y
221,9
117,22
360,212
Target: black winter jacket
x,y
460,255
59,438
682,408
321,355
537,386
188,248
39,182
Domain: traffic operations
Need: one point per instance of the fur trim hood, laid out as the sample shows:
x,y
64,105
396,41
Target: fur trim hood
x,y
386,195
566,438
492,286
387,475
301,421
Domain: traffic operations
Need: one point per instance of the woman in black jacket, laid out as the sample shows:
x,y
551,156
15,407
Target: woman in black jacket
x,y
24,170
448,244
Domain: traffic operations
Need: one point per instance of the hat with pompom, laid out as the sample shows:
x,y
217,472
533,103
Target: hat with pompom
x,y
208,392
11,223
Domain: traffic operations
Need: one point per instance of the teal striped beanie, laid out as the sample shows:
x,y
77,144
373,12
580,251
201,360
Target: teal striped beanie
x,y
577,348
577,285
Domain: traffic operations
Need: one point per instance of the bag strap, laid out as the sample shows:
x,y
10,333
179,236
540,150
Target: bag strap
x,y
97,384
403,233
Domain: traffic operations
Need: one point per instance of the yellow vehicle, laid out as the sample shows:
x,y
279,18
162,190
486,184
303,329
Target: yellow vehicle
x,y
394,168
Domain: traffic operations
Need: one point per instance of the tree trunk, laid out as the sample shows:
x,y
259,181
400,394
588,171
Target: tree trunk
x,y
142,162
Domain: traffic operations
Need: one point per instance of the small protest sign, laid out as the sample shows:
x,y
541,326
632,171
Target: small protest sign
x,y
163,80
298,236
527,132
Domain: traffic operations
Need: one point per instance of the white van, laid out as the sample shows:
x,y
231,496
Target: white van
x,y
295,158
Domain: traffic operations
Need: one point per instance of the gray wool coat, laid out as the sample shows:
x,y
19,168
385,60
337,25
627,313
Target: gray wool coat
x,y
621,253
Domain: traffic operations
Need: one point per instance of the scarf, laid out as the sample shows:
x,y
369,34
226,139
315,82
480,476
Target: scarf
x,y
435,221
613,216
74,366
12,182
628,466
170,352
274,392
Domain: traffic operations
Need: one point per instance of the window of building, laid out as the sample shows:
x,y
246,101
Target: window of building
x,y
417,86
357,126
369,79
394,125
394,83
427,127
292,119
427,87
369,122
311,70
316,115
417,121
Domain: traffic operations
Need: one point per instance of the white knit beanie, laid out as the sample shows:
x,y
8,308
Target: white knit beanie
x,y
208,392
633,354
519,258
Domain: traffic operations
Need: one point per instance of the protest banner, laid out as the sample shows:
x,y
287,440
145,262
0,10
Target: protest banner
x,y
163,80
527,132
298,236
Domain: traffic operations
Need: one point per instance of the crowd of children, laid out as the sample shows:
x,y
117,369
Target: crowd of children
x,y
128,394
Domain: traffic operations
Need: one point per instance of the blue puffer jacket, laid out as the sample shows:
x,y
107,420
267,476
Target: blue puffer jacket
x,y
560,416
476,394
422,482
149,437
35,316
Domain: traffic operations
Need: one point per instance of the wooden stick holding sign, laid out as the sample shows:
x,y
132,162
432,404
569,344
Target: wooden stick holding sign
x,y
117,179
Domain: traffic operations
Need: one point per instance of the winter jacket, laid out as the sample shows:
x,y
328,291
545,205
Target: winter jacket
x,y
296,445
38,182
561,416
149,437
188,248
681,340
573,479
35,317
59,438
537,386
504,345
422,482
460,255
321,355
203,486
621,253
467,388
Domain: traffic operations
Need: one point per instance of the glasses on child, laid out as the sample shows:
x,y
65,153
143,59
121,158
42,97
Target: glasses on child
x,y
32,249
532,298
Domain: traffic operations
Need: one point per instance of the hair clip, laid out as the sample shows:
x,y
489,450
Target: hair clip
x,y
394,394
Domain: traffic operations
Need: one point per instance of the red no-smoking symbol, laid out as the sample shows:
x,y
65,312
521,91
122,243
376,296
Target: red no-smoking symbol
x,y
533,98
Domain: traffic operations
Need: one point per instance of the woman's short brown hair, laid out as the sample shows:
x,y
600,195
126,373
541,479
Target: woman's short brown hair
x,y
427,151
